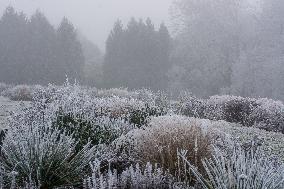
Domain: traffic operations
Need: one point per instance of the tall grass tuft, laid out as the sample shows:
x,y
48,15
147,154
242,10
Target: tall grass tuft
x,y
240,170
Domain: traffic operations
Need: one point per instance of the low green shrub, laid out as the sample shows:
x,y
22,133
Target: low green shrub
x,y
239,111
140,117
85,130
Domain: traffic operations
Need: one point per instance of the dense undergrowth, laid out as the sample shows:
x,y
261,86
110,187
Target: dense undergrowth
x,y
261,113
76,137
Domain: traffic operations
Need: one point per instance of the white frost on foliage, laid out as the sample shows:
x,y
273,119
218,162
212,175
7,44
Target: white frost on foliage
x,y
240,170
133,177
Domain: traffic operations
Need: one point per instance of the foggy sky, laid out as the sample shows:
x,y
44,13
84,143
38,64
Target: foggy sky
x,y
94,18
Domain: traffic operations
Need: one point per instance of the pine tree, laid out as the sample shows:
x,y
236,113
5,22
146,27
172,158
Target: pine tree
x,y
70,55
165,44
113,60
137,56
33,52
13,45
42,46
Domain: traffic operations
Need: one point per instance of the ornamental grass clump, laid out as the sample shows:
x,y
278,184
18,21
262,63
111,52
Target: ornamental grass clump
x,y
240,170
158,143
43,156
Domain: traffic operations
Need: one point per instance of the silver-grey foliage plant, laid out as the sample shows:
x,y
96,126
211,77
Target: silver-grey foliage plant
x,y
43,157
135,177
239,170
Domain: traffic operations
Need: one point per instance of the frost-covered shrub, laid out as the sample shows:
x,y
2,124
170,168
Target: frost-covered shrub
x,y
35,153
193,107
271,144
18,93
131,110
158,143
3,87
268,115
146,96
40,153
116,107
238,111
72,110
239,170
155,105
21,92
134,177
135,107
49,93
185,96
262,113
140,117
230,108
119,92
97,130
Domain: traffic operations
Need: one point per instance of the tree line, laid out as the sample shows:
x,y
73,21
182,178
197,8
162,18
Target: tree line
x,y
137,56
220,47
33,51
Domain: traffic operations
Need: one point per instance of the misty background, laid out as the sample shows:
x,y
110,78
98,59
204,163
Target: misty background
x,y
94,18
206,47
